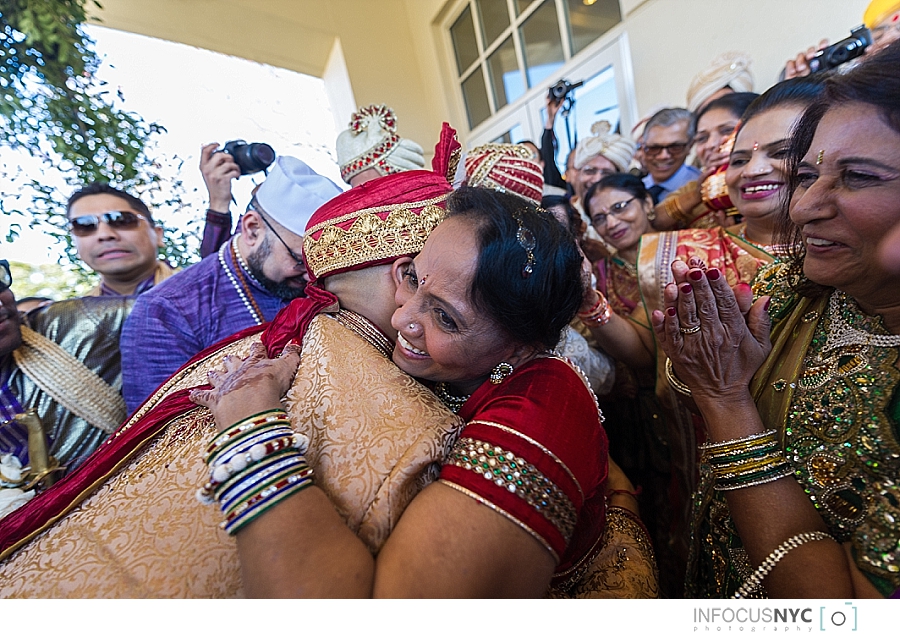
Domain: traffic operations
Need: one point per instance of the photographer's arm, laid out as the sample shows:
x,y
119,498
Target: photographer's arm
x,y
548,147
218,170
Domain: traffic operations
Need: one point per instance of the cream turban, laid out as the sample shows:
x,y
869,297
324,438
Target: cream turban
x,y
727,70
614,148
372,142
878,10
292,192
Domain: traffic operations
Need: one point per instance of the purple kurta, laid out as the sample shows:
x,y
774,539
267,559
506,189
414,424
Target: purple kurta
x,y
175,320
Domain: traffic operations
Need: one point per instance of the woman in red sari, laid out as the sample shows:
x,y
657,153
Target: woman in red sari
x,y
520,498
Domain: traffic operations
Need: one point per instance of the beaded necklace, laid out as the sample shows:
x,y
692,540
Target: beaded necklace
x,y
453,403
240,287
841,334
776,250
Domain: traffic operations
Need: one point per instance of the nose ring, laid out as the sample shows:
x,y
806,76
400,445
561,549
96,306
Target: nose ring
x,y
411,327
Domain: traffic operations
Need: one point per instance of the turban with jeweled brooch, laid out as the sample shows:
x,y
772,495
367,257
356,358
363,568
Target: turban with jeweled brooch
x,y
371,142
375,223
505,167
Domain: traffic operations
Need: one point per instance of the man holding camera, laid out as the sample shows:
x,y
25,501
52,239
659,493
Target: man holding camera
x,y
252,276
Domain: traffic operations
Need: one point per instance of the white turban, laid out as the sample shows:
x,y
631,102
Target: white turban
x,y
617,149
292,192
728,70
371,141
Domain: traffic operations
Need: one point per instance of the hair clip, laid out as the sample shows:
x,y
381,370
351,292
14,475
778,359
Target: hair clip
x,y
526,239
820,157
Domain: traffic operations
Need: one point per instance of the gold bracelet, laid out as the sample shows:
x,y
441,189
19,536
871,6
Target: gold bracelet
x,y
677,384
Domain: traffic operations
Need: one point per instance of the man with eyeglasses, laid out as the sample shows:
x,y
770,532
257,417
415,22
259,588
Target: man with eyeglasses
x,y
246,282
60,377
665,144
116,237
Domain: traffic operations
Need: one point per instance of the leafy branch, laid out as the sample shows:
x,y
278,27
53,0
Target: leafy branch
x,y
54,107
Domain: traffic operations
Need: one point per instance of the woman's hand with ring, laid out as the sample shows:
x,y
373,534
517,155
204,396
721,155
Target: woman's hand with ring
x,y
714,348
248,386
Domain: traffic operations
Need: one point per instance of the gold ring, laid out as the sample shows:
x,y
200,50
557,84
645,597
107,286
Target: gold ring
x,y
691,330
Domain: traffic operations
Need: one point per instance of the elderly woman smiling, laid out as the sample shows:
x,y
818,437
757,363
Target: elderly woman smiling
x,y
801,468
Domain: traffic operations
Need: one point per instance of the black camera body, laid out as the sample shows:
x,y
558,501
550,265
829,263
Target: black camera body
x,y
250,157
561,89
845,50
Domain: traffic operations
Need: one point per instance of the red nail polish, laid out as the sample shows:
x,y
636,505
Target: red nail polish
x,y
767,304
696,275
713,274
686,288
671,312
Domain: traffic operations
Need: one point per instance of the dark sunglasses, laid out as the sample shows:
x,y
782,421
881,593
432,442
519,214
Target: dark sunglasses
x,y
5,276
674,149
86,225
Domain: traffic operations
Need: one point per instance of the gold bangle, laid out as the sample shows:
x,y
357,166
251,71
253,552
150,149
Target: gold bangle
x,y
677,384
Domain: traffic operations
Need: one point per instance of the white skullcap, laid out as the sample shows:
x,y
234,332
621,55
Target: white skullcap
x,y
613,147
371,141
292,192
728,70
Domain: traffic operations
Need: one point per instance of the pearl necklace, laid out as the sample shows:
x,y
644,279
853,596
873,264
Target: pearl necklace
x,y
842,334
777,250
237,287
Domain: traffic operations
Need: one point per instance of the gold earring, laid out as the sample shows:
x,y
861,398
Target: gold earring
x,y
500,372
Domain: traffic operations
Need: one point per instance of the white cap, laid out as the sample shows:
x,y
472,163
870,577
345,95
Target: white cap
x,y
292,192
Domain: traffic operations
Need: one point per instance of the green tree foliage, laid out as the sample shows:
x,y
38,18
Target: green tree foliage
x,y
54,107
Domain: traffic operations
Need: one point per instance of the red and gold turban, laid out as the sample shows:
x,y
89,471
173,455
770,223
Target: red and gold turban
x,y
507,168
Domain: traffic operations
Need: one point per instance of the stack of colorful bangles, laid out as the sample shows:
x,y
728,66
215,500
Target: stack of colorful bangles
x,y
598,315
746,462
253,465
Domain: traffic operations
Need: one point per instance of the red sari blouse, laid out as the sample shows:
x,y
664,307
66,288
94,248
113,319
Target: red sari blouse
x,y
534,450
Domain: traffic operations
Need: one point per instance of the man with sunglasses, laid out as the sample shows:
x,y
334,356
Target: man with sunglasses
x,y
115,236
246,282
61,361
666,142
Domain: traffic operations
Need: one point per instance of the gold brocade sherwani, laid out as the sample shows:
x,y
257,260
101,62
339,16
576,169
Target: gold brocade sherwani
x,y
88,330
142,532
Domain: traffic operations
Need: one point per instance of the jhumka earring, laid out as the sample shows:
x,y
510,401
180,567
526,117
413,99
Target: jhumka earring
x,y
500,372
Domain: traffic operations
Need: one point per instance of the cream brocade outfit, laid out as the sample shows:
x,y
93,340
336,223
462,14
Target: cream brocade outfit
x,y
142,532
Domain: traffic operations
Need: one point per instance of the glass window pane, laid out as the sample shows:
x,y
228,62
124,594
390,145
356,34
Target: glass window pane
x,y
597,100
503,138
521,5
494,17
541,41
475,94
506,78
513,135
588,21
464,44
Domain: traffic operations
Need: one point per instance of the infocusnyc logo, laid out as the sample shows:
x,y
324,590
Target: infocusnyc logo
x,y
844,618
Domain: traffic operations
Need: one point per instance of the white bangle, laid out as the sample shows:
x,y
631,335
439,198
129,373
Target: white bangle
x,y
777,555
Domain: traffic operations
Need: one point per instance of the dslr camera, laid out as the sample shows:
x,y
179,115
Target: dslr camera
x,y
250,157
845,50
561,89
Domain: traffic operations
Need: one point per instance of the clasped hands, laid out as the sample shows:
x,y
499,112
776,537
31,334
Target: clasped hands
x,y
717,337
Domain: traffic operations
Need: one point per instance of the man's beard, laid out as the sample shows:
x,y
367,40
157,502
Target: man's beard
x,y
281,290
